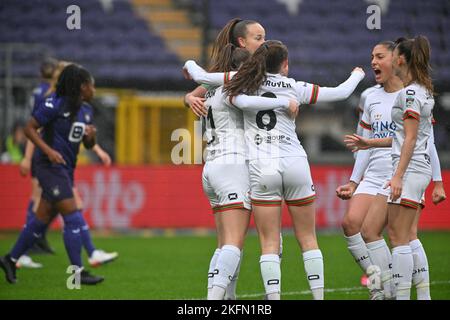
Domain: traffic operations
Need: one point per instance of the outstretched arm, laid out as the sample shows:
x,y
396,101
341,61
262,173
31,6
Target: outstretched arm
x,y
199,75
342,91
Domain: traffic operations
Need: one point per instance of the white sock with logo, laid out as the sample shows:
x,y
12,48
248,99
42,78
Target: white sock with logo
x,y
313,261
212,267
358,249
421,274
226,266
381,256
230,293
271,275
402,269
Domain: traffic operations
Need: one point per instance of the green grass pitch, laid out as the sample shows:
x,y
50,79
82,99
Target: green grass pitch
x,y
175,267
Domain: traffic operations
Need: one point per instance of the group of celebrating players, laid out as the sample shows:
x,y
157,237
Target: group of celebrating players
x,y
255,161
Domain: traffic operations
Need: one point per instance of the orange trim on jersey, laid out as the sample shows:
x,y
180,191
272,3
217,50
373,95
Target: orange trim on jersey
x,y
266,203
365,125
230,206
411,114
301,202
314,94
409,203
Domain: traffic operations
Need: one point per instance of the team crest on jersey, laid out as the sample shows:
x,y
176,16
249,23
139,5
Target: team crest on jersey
x,y
378,116
56,191
410,92
258,139
87,118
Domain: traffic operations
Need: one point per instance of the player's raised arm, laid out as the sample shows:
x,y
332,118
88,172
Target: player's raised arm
x,y
201,76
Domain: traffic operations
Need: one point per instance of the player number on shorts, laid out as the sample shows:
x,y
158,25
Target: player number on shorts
x,y
77,132
266,119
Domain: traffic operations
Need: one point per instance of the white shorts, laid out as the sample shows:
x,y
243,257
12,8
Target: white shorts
x,y
413,190
227,186
274,180
372,186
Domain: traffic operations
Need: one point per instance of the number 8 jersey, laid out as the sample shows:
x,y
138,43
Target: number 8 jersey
x,y
61,130
271,133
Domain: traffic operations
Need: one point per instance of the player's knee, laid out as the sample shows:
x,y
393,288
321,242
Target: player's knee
x,y
369,234
350,226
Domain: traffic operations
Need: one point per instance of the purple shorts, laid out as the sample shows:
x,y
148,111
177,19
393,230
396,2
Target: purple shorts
x,y
56,182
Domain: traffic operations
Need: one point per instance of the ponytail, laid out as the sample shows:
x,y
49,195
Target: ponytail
x,y
267,58
417,53
235,28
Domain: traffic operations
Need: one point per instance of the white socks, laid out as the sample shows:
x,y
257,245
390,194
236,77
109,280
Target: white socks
x,y
230,293
313,261
271,275
421,275
380,255
212,266
402,269
359,251
227,263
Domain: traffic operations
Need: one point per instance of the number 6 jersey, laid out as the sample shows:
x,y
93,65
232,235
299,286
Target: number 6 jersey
x,y
61,130
271,133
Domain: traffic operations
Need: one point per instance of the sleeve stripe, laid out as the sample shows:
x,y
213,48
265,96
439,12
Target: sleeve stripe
x,y
433,121
314,94
411,114
365,125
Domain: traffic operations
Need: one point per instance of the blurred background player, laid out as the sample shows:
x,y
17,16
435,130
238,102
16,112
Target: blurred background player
x,y
66,121
96,257
279,170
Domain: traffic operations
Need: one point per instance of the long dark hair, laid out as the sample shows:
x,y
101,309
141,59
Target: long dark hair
x,y
234,29
69,86
267,58
417,54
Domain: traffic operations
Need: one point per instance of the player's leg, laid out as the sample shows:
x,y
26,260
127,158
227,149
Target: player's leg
x,y
97,257
400,220
266,194
421,273
32,230
299,193
233,228
379,252
352,222
233,216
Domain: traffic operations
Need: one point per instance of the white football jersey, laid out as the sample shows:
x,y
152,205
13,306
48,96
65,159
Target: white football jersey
x,y
376,117
271,133
414,101
224,127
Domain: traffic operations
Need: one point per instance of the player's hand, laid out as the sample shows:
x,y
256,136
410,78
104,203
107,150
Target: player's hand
x,y
438,194
186,74
90,131
355,142
293,108
345,192
396,185
360,70
104,157
197,105
25,166
55,157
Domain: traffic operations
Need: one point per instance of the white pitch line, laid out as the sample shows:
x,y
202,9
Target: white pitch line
x,y
351,290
